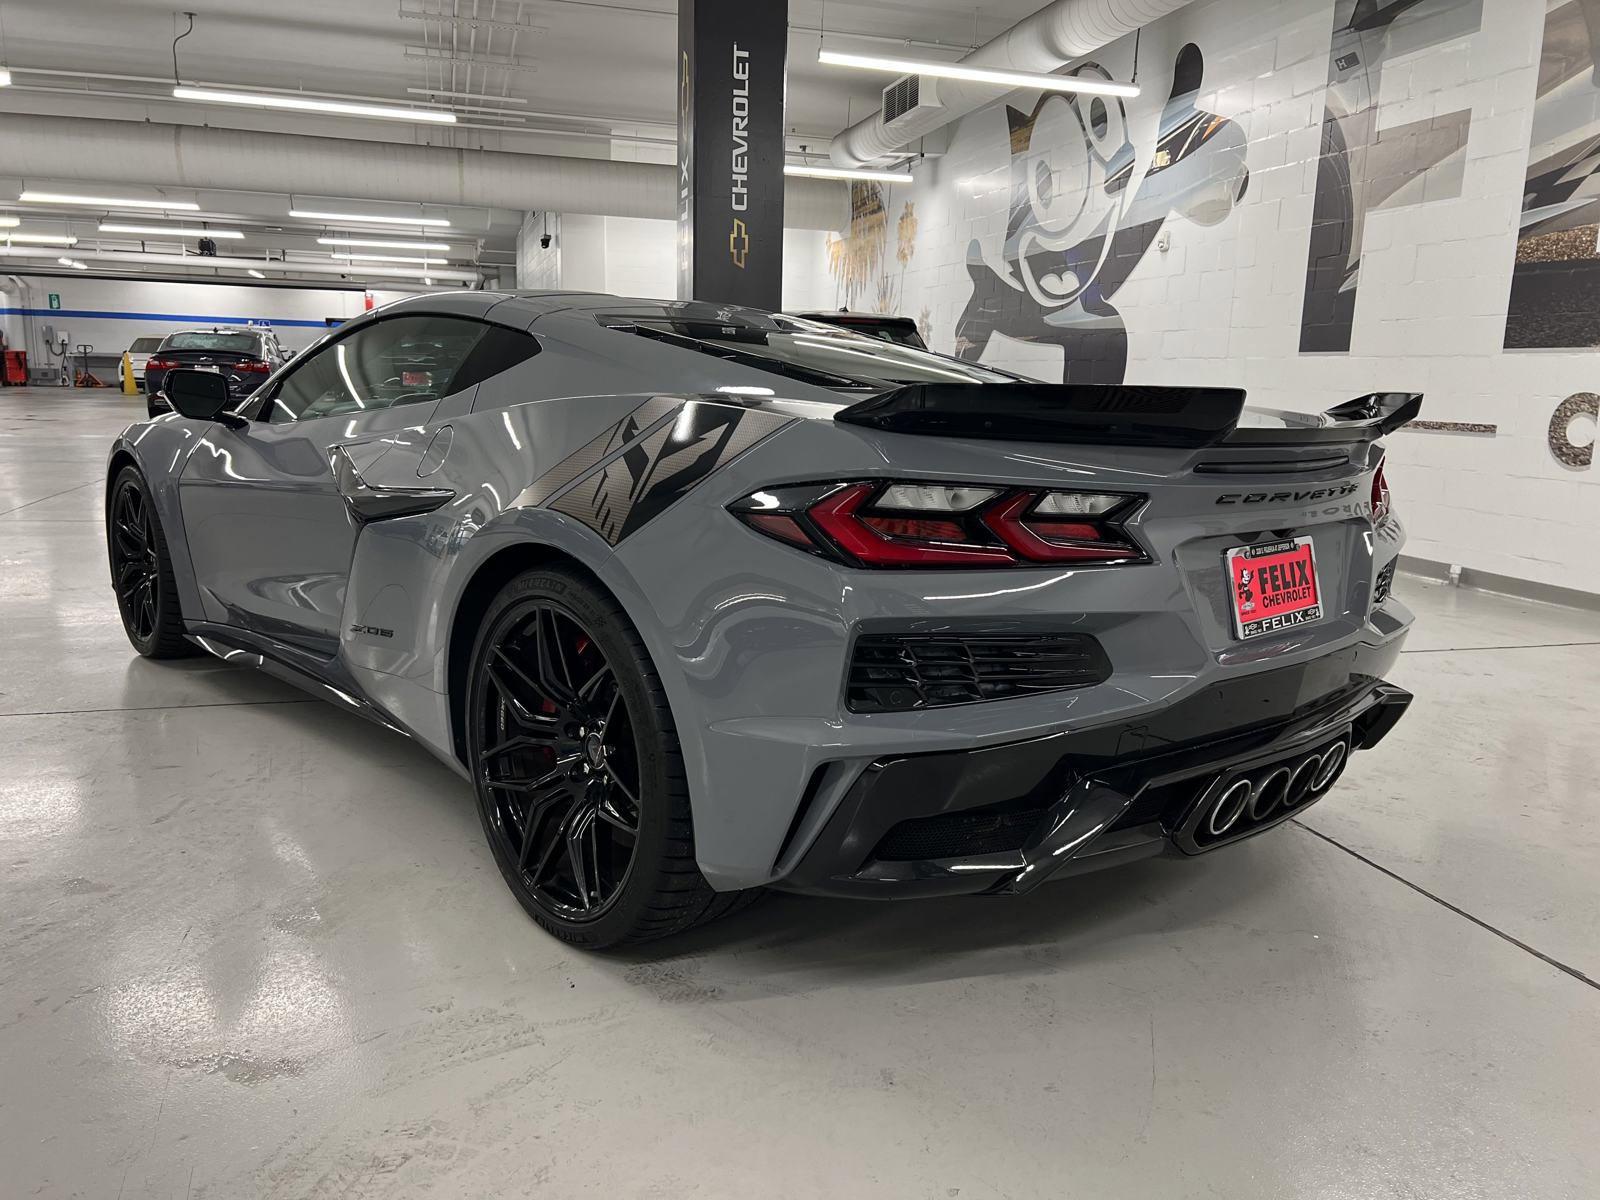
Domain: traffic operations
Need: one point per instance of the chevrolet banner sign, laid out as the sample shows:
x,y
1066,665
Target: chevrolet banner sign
x,y
731,61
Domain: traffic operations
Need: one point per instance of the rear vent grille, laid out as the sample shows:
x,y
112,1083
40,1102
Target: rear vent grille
x,y
1381,589
901,96
961,834
1276,466
900,672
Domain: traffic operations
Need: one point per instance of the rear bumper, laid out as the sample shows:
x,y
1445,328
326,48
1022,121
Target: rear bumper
x,y
1006,818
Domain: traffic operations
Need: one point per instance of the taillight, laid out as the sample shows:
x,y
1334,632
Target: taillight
x,y
252,367
1380,497
160,364
916,525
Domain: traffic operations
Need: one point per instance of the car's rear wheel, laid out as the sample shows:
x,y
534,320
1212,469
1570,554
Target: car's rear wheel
x,y
141,570
579,775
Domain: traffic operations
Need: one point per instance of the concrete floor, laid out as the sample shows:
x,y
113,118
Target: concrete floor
x,y
254,947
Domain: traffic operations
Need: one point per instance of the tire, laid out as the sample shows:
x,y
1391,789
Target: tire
x,y
136,545
555,744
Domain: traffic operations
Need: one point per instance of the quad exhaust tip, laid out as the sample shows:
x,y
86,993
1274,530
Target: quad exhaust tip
x,y
1277,791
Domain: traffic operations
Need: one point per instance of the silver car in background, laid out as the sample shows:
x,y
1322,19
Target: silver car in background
x,y
702,599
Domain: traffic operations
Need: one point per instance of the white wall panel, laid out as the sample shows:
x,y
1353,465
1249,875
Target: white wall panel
x,y
109,313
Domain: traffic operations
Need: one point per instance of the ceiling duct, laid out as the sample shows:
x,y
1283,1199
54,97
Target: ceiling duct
x,y
193,156
1044,42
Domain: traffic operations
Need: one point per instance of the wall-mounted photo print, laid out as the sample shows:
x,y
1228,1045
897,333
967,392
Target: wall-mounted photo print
x,y
1086,203
1367,163
1555,287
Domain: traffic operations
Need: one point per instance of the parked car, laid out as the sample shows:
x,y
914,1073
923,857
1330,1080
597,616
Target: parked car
x,y
139,352
703,599
902,330
243,357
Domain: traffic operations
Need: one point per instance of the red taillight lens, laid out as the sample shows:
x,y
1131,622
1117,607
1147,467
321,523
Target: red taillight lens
x,y
252,367
781,526
160,364
1049,540
836,517
898,525
1380,497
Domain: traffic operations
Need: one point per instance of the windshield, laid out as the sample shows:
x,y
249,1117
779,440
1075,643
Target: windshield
x,y
227,343
144,345
805,350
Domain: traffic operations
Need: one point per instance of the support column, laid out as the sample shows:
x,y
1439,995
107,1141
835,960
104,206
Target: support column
x,y
731,61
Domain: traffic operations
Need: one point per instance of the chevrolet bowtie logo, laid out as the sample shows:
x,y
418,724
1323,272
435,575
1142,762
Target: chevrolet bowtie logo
x,y
738,243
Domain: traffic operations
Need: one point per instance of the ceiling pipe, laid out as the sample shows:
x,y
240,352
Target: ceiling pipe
x,y
191,156
1044,42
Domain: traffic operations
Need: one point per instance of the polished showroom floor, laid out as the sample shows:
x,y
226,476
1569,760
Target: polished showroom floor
x,y
253,946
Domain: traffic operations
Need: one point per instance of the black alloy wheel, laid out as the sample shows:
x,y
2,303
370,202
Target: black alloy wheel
x,y
559,762
578,771
141,571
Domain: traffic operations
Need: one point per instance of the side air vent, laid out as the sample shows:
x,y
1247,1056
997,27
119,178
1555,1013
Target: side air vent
x,y
910,95
992,830
902,672
1385,584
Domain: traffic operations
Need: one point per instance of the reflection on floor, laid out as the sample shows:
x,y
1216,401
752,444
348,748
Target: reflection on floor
x,y
252,946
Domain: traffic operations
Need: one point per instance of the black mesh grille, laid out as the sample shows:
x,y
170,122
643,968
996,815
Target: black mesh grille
x,y
898,672
960,834
1380,591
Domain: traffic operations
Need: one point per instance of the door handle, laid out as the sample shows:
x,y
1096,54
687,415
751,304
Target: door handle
x,y
368,502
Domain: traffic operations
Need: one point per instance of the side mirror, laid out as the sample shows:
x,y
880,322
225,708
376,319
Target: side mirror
x,y
202,395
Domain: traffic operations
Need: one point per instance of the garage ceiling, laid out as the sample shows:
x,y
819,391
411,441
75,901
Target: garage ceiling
x,y
605,62
576,78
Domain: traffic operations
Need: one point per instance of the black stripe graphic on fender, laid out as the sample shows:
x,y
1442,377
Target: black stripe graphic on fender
x,y
595,451
657,469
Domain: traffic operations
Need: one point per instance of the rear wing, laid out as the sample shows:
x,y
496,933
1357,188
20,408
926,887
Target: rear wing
x,y
1122,416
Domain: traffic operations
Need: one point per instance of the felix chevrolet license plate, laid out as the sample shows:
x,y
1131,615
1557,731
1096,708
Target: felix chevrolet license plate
x,y
1274,587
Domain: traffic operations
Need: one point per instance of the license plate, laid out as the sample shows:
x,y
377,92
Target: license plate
x,y
213,370
1274,587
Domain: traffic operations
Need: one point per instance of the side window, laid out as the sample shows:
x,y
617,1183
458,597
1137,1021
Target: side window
x,y
498,350
401,360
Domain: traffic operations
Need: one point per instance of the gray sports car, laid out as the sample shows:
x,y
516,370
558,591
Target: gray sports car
x,y
703,599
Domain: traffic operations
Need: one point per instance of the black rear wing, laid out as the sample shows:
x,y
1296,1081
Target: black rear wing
x,y
1122,416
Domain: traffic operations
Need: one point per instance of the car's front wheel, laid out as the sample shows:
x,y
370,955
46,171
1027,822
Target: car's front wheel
x,y
579,775
141,570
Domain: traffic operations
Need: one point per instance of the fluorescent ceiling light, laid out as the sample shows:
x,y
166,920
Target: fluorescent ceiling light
x,y
307,214
424,261
171,231
845,173
8,222
427,279
254,273
382,245
950,70
73,263
5,77
43,239
106,201
387,112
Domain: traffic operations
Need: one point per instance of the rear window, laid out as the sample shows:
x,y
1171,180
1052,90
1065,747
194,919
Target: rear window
x,y
806,350
145,345
228,343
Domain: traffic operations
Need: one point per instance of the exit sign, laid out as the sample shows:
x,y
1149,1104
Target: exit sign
x,y
55,299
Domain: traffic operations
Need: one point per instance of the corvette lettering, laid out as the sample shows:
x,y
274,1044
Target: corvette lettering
x,y
1305,497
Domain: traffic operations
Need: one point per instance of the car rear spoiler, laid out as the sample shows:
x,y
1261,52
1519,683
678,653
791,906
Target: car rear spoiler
x,y
1121,415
